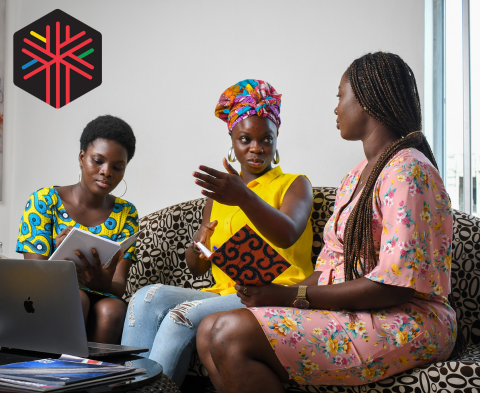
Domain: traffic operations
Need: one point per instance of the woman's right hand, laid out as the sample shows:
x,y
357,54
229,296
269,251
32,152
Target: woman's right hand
x,y
204,234
224,187
62,235
97,276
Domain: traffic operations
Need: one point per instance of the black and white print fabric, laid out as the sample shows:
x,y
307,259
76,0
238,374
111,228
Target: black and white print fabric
x,y
169,232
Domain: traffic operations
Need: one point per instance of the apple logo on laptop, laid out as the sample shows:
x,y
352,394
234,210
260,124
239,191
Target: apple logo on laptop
x,y
28,304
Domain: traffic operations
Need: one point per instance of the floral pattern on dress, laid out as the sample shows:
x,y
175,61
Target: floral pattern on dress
x,y
412,226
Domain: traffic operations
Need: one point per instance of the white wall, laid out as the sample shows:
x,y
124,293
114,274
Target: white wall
x,y
165,64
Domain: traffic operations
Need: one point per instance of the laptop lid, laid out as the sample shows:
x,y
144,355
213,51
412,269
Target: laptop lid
x,y
40,308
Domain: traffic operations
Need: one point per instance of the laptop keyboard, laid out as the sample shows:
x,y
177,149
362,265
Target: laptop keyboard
x,y
100,350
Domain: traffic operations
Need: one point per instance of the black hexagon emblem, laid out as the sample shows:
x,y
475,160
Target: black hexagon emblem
x,y
57,58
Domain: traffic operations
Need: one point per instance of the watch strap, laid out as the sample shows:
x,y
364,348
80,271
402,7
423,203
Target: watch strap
x,y
302,292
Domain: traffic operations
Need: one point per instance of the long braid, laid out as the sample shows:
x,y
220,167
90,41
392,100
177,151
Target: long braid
x,y
385,87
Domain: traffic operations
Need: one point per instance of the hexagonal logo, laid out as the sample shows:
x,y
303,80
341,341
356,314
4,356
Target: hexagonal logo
x,y
57,58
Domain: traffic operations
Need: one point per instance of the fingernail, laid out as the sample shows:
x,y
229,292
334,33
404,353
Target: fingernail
x,y
94,251
201,167
195,174
77,253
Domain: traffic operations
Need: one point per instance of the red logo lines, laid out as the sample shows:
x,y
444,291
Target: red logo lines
x,y
57,59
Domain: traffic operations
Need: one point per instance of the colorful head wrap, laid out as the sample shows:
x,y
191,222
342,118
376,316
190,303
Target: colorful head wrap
x,y
246,98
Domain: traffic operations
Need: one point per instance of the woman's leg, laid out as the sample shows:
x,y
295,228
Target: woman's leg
x,y
85,305
175,340
148,308
203,349
243,358
105,320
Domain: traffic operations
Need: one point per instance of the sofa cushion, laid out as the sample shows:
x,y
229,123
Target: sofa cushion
x,y
441,377
168,233
161,248
466,273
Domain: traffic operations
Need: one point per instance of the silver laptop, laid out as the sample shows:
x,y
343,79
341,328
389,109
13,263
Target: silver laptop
x,y
40,310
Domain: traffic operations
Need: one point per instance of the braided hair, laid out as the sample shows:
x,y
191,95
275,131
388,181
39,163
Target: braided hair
x,y
385,87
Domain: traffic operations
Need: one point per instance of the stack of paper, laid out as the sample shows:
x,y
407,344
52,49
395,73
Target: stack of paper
x,y
66,373
85,241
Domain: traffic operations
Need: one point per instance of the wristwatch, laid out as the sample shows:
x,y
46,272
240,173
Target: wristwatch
x,y
301,300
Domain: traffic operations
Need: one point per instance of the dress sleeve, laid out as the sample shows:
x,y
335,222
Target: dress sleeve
x,y
35,232
417,228
130,228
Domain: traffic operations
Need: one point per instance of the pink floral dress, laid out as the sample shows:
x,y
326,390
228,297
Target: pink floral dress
x,y
412,229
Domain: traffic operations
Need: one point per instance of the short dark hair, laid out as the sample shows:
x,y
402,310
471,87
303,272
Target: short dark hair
x,y
109,128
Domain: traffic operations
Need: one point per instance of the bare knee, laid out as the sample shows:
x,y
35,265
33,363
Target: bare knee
x,y
110,311
204,330
232,329
105,324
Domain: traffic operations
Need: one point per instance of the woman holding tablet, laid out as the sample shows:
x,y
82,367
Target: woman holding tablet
x,y
276,205
107,145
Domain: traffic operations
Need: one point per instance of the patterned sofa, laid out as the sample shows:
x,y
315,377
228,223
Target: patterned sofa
x,y
161,259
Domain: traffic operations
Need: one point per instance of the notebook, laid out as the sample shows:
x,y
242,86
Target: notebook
x,y
85,241
247,258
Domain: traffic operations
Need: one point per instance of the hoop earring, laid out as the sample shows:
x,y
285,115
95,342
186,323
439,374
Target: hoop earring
x,y
80,176
230,155
125,189
276,159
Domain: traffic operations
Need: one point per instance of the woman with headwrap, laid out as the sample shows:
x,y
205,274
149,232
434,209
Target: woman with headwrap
x,y
276,205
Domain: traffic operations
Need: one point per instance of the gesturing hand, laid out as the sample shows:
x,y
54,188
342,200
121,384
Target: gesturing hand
x,y
225,188
268,295
95,276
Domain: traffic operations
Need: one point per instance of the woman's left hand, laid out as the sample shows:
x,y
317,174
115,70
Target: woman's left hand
x,y
95,276
268,295
225,188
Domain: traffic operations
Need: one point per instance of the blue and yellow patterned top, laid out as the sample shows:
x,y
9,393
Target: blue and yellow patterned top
x,y
45,217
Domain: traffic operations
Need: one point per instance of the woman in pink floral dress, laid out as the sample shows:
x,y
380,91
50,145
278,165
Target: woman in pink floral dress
x,y
378,297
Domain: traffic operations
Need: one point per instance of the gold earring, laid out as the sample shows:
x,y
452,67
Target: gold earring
x,y
125,189
230,155
276,160
80,176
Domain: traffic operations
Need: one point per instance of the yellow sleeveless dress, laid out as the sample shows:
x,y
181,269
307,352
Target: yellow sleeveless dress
x,y
271,187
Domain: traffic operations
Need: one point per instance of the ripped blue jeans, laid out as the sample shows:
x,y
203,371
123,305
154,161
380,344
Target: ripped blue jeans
x,y
165,319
